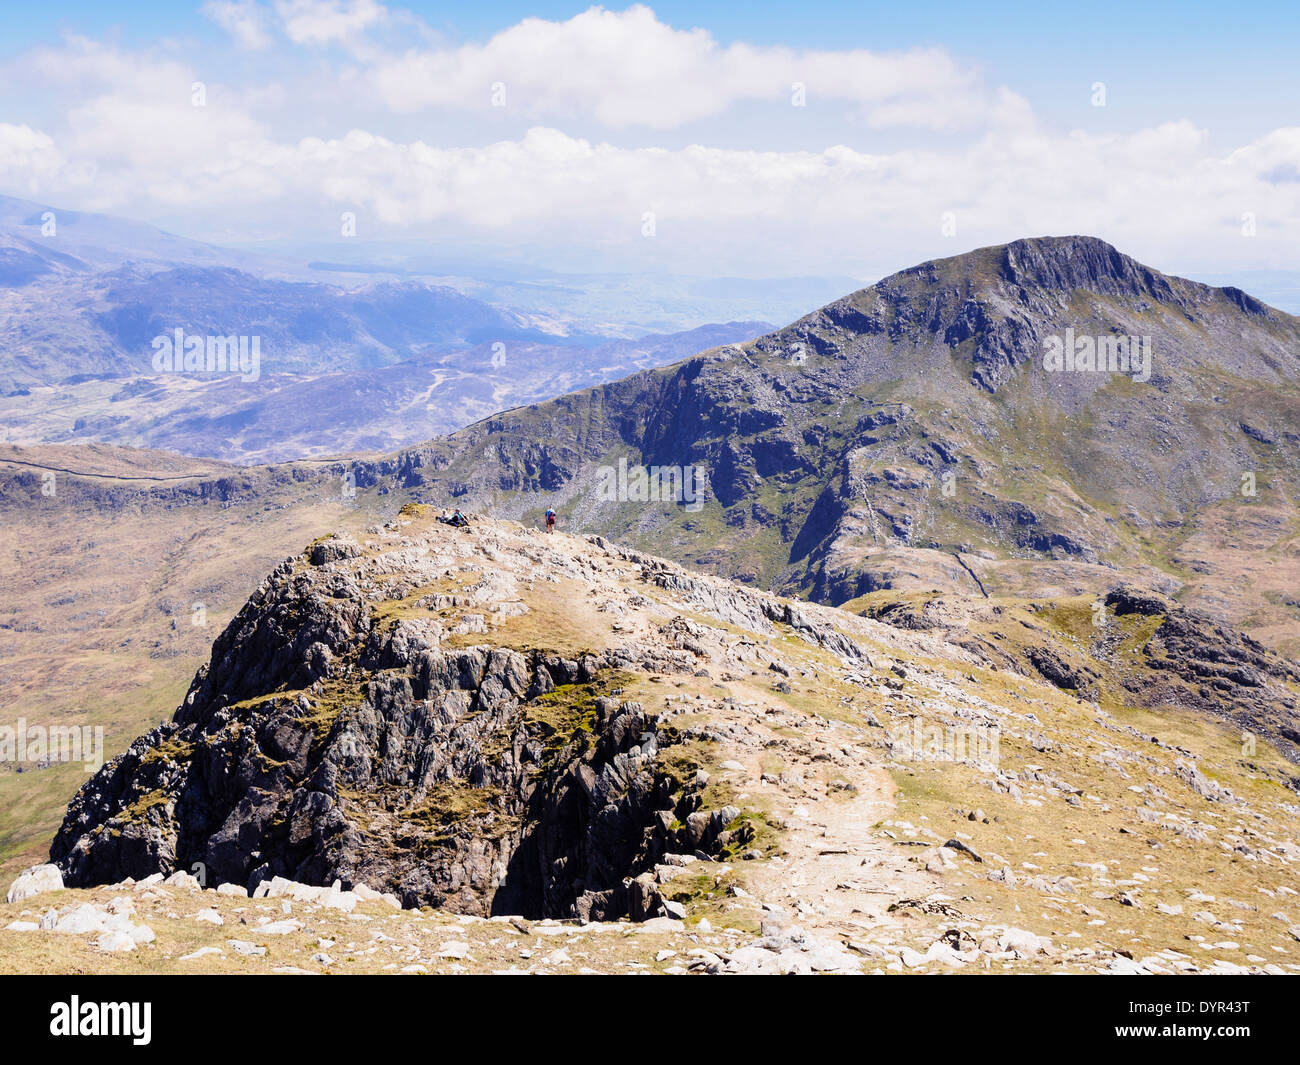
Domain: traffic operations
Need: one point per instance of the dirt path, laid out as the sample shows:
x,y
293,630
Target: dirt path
x,y
838,875
111,476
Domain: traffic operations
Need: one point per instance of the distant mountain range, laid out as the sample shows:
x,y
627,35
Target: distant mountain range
x,y
75,304
367,363
286,416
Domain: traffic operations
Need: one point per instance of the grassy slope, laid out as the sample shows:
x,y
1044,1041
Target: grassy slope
x,y
99,624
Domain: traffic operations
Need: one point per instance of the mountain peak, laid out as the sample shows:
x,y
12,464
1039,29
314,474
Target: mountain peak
x,y
1068,263
1046,264
1064,265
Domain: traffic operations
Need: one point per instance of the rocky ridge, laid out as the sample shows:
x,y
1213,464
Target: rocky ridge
x,y
514,731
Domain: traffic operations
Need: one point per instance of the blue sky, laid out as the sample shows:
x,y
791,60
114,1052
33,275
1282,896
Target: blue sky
x,y
1229,64
925,127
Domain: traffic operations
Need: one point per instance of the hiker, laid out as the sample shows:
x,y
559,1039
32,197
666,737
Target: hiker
x,y
550,520
457,519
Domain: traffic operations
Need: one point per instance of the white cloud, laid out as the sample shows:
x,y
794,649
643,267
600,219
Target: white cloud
x,y
121,135
29,161
155,136
81,66
1276,157
245,20
629,69
320,22
716,209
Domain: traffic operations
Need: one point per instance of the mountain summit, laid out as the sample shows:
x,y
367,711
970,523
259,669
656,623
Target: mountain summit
x,y
931,433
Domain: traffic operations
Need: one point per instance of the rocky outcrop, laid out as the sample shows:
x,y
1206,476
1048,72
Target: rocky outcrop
x,y
741,606
1059,670
329,739
1198,662
1143,649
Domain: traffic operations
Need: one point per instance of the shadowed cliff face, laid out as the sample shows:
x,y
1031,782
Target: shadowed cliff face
x,y
916,436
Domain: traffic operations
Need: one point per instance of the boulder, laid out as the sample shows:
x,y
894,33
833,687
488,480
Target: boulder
x,y
332,550
35,880
113,942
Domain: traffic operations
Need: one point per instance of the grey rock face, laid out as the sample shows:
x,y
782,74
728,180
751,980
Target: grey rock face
x,y
333,549
1216,669
324,741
